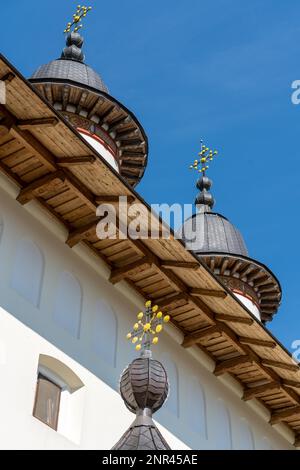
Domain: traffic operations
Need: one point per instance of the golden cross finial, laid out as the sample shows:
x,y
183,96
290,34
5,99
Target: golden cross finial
x,y
205,155
148,326
81,12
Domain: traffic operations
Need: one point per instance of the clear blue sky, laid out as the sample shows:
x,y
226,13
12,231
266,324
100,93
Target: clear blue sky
x,y
217,69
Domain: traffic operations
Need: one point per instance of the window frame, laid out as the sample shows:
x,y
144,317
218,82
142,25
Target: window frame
x,y
44,377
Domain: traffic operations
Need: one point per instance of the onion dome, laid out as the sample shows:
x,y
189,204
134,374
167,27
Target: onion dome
x,y
219,244
144,384
144,389
79,93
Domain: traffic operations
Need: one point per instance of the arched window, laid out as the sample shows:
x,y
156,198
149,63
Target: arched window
x,y
222,429
59,397
196,403
28,270
172,403
104,332
245,436
68,304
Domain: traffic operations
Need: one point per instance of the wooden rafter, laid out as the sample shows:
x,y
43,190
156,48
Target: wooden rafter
x,y
109,199
81,233
255,392
38,123
7,77
280,365
190,340
279,416
230,364
40,186
257,342
196,291
73,161
233,319
118,274
170,264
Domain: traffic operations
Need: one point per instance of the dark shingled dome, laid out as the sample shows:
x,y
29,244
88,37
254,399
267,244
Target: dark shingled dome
x,y
71,67
209,232
72,70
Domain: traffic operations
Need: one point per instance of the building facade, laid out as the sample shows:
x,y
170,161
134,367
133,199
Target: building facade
x,y
68,299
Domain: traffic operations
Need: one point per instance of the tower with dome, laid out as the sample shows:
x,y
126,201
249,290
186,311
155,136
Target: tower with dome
x,y
219,379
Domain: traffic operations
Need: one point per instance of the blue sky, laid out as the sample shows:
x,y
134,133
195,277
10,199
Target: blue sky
x,y
217,69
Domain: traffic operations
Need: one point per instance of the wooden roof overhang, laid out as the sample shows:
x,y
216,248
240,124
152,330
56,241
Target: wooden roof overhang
x,y
254,275
52,164
83,104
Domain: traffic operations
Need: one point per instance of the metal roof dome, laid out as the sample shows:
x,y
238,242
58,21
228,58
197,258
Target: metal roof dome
x,y
70,70
206,232
219,244
71,66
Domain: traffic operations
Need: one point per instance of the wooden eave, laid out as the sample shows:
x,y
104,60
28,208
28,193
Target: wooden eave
x,y
36,143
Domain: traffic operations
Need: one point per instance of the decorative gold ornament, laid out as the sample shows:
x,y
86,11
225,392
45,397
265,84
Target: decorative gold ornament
x,y
148,326
81,12
205,155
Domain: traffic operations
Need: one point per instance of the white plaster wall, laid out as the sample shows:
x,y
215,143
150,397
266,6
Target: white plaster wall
x,y
26,331
101,149
249,304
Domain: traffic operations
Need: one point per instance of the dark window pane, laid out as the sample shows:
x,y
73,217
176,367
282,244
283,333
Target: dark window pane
x,y
47,400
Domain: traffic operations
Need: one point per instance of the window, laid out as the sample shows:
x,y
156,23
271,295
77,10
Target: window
x,y
47,401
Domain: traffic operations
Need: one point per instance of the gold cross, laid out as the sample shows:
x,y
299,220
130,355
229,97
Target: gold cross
x,y
204,156
149,325
81,12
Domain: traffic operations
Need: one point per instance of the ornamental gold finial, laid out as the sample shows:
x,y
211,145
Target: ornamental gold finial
x,y
81,12
204,156
149,324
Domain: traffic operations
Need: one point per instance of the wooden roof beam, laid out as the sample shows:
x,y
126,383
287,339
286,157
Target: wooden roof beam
x,y
224,265
196,291
170,264
257,342
297,441
119,274
79,234
255,392
279,416
122,120
27,139
169,301
190,340
291,383
234,319
96,106
74,161
7,77
40,186
110,199
230,364
280,365
38,123
236,267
